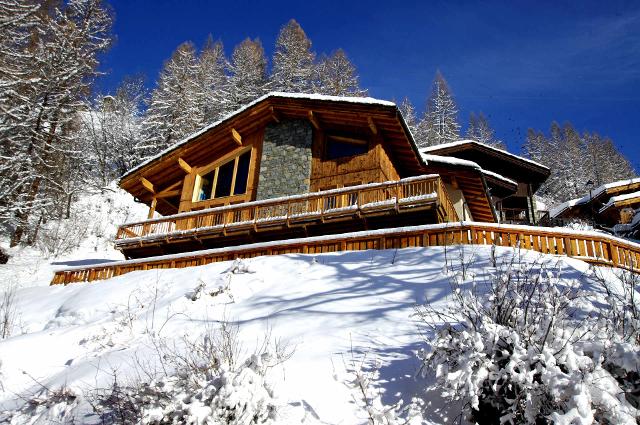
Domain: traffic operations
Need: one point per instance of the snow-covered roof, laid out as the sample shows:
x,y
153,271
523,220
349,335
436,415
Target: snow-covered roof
x,y
309,96
559,209
465,163
619,198
474,142
498,177
601,189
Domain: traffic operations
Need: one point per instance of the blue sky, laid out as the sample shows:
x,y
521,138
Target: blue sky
x,y
522,63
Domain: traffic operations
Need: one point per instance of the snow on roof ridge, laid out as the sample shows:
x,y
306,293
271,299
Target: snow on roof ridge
x,y
465,163
594,194
499,176
312,96
618,198
471,141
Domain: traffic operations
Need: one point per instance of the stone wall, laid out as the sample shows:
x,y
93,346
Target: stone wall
x,y
285,167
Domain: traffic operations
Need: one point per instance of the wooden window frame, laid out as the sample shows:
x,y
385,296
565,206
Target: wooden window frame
x,y
215,167
351,139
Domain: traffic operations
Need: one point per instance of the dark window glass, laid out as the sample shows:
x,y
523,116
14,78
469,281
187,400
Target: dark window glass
x,y
340,147
206,184
242,175
225,176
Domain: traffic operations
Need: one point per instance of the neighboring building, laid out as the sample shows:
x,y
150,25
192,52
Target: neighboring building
x,y
511,179
608,205
297,165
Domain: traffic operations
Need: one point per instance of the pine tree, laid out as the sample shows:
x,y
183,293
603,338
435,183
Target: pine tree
x,y
48,61
293,60
440,120
248,73
409,114
574,161
174,108
480,131
111,130
604,160
337,76
212,85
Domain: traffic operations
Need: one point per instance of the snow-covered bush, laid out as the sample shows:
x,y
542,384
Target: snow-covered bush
x,y
58,237
231,396
58,406
205,383
622,319
7,311
520,349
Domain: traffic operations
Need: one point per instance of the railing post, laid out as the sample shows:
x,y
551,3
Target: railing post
x,y
613,252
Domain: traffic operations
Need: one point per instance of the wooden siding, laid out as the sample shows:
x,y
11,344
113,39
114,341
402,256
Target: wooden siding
x,y
373,166
596,249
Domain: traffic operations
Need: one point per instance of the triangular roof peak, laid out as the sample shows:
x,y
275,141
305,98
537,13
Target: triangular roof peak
x,y
452,146
274,94
331,113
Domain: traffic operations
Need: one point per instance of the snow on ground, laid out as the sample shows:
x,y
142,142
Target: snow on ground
x,y
89,237
329,308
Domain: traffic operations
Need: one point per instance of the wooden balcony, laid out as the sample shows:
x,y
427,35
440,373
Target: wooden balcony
x,y
333,211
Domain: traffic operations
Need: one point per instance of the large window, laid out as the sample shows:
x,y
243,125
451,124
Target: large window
x,y
340,147
229,178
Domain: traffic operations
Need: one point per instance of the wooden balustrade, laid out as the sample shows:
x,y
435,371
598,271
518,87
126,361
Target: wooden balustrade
x,y
597,249
402,194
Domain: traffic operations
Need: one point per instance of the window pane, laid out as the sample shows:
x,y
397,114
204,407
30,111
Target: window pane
x,y
242,175
206,184
225,176
343,147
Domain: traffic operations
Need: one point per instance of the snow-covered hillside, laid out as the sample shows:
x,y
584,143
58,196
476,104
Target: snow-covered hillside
x,y
331,311
85,237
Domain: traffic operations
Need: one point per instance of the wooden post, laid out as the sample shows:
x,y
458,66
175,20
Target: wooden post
x,y
152,208
613,251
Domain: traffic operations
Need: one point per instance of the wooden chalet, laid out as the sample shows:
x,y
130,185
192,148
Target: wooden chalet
x,y
310,174
295,165
608,205
511,180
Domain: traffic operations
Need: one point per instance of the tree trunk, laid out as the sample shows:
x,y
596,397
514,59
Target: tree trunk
x,y
23,216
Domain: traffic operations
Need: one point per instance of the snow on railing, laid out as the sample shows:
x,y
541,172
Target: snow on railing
x,y
593,247
395,195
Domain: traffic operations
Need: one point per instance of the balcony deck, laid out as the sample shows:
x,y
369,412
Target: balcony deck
x,y
418,200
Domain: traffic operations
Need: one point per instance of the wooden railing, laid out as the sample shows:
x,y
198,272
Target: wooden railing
x,y
598,249
399,195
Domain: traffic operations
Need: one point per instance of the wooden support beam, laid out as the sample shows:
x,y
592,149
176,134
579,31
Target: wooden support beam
x,y
168,203
372,126
152,208
170,191
314,120
147,185
185,167
236,136
274,115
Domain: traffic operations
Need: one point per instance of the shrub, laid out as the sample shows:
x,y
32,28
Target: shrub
x,y
519,349
204,383
50,406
